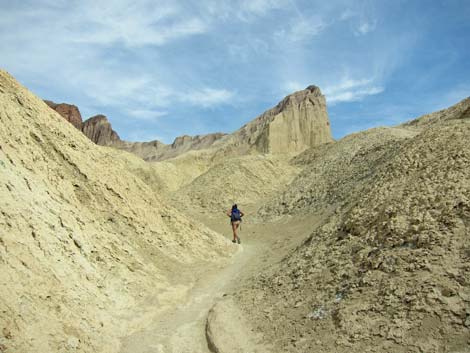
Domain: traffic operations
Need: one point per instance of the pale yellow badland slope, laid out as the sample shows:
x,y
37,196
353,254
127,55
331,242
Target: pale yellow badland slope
x,y
82,238
245,180
388,271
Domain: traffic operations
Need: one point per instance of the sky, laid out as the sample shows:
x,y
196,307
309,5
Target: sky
x,y
160,69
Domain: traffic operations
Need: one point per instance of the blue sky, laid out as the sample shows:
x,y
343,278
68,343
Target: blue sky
x,y
159,69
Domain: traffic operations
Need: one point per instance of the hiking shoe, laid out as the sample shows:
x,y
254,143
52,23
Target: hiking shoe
x,y
233,241
238,240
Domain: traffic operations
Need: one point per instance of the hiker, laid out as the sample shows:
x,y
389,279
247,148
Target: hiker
x,y
235,219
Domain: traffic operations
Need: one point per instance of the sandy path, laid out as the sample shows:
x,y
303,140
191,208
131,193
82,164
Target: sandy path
x,y
178,326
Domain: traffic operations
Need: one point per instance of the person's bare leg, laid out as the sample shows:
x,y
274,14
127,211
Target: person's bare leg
x,y
234,229
235,226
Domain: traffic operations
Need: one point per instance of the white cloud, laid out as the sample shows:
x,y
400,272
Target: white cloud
x,y
347,90
350,90
124,22
147,114
106,89
356,95
207,97
292,86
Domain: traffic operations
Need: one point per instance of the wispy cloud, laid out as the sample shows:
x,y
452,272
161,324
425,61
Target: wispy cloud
x,y
102,87
366,27
350,90
259,7
289,87
123,22
147,114
362,21
346,90
301,29
207,97
241,10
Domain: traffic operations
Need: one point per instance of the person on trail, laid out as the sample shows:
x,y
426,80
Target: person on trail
x,y
235,219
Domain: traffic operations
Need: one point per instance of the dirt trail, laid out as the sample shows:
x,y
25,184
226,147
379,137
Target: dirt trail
x,y
178,326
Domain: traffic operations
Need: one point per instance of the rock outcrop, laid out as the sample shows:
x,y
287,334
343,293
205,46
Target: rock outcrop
x,y
69,112
99,130
298,122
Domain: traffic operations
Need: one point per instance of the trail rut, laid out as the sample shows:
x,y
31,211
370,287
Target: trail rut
x,y
179,325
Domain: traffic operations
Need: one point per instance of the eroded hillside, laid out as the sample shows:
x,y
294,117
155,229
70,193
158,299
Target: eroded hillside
x,y
359,245
83,238
389,269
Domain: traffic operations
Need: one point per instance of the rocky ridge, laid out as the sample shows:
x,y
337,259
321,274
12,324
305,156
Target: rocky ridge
x,y
459,111
99,130
300,121
158,151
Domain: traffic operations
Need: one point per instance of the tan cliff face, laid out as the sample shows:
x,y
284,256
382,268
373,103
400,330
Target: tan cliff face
x,y
298,122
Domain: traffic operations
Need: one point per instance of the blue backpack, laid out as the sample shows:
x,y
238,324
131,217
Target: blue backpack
x,y
236,215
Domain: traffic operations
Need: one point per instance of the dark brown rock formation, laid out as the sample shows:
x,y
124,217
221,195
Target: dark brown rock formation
x,y
68,111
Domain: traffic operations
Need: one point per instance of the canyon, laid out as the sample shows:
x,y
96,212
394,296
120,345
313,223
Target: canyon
x,y
355,245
